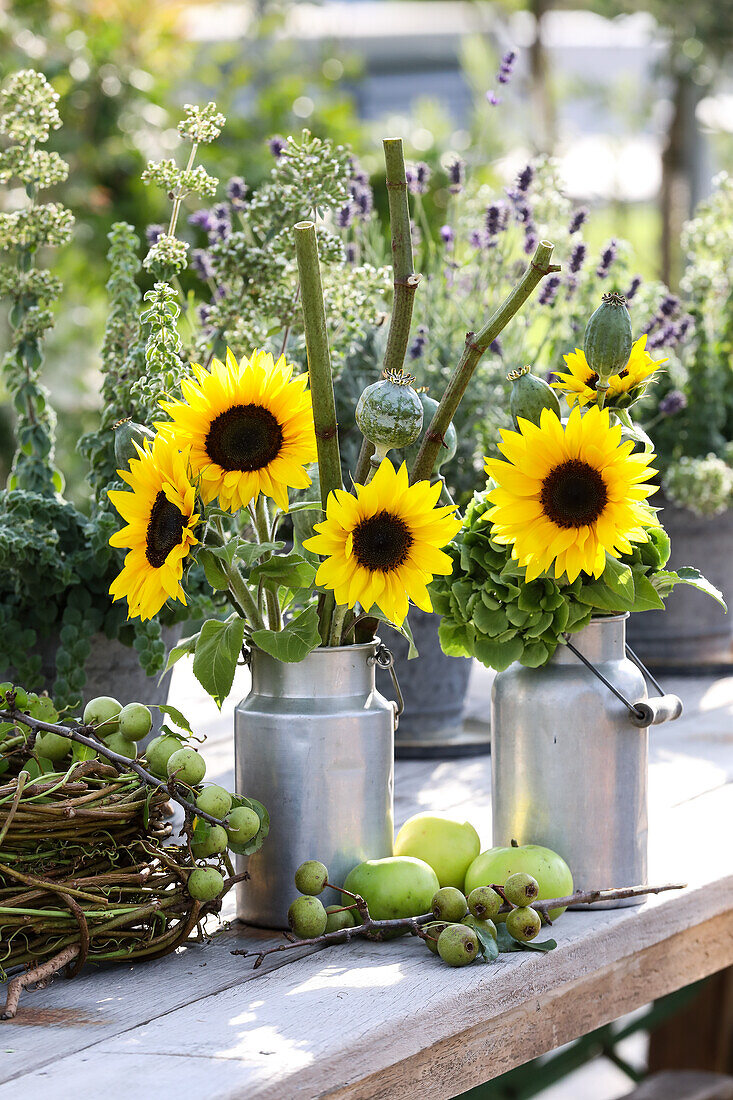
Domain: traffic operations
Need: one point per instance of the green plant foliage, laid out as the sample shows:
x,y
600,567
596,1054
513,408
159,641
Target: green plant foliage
x,y
492,613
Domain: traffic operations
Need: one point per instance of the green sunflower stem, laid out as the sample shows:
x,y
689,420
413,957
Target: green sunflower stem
x,y
321,379
476,344
262,526
337,625
362,463
241,593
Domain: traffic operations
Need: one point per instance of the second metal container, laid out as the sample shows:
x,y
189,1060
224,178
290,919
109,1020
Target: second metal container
x,y
569,769
314,742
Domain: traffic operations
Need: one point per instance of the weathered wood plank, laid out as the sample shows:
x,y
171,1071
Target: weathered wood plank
x,y
366,1009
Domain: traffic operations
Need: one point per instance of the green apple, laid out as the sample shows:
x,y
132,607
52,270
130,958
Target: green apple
x,y
497,864
447,845
398,886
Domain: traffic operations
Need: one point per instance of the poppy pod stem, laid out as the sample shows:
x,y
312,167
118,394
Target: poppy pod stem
x,y
404,277
321,377
476,344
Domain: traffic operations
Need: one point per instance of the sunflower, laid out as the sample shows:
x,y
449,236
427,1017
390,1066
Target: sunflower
x,y
250,429
569,495
382,546
160,523
579,383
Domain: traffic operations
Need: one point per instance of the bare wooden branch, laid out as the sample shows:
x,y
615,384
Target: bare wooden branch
x,y
371,929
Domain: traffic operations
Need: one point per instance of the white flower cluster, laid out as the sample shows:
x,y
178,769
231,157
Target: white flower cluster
x,y
38,167
178,181
167,256
707,245
702,485
201,124
28,110
47,224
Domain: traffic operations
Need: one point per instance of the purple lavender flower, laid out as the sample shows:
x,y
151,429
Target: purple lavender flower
x,y
417,177
417,347
662,338
530,238
456,169
496,347
203,312
669,305
345,216
682,327
351,253
549,290
476,239
236,191
364,201
277,146
202,264
551,377
632,288
493,99
496,218
578,219
202,219
447,236
524,179
673,402
507,65
607,258
577,258
221,222
153,232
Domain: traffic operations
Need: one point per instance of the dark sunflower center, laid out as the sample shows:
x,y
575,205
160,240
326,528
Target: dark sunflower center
x,y
245,437
573,494
382,542
165,528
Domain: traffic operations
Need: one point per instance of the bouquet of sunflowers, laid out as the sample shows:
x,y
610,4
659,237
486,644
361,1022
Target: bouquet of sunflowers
x,y
247,442
564,529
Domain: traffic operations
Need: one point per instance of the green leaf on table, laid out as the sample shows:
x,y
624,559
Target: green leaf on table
x,y
176,717
488,946
665,580
507,943
285,570
218,649
295,641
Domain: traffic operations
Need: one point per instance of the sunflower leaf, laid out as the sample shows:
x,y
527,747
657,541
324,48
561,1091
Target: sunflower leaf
x,y
665,581
214,571
286,570
184,647
295,641
405,630
217,651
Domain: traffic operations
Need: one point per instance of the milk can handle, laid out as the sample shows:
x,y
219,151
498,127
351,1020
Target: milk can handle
x,y
385,659
646,712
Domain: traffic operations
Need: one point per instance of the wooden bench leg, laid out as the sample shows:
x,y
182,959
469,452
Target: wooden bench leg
x,y
700,1036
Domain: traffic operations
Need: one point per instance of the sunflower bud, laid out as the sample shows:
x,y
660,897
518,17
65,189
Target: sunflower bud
x,y
127,434
389,413
530,395
608,338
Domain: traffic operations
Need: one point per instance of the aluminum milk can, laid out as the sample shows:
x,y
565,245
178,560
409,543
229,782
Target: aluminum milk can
x,y
569,766
314,742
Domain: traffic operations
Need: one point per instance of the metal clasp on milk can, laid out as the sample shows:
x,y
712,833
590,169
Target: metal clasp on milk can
x,y
384,659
